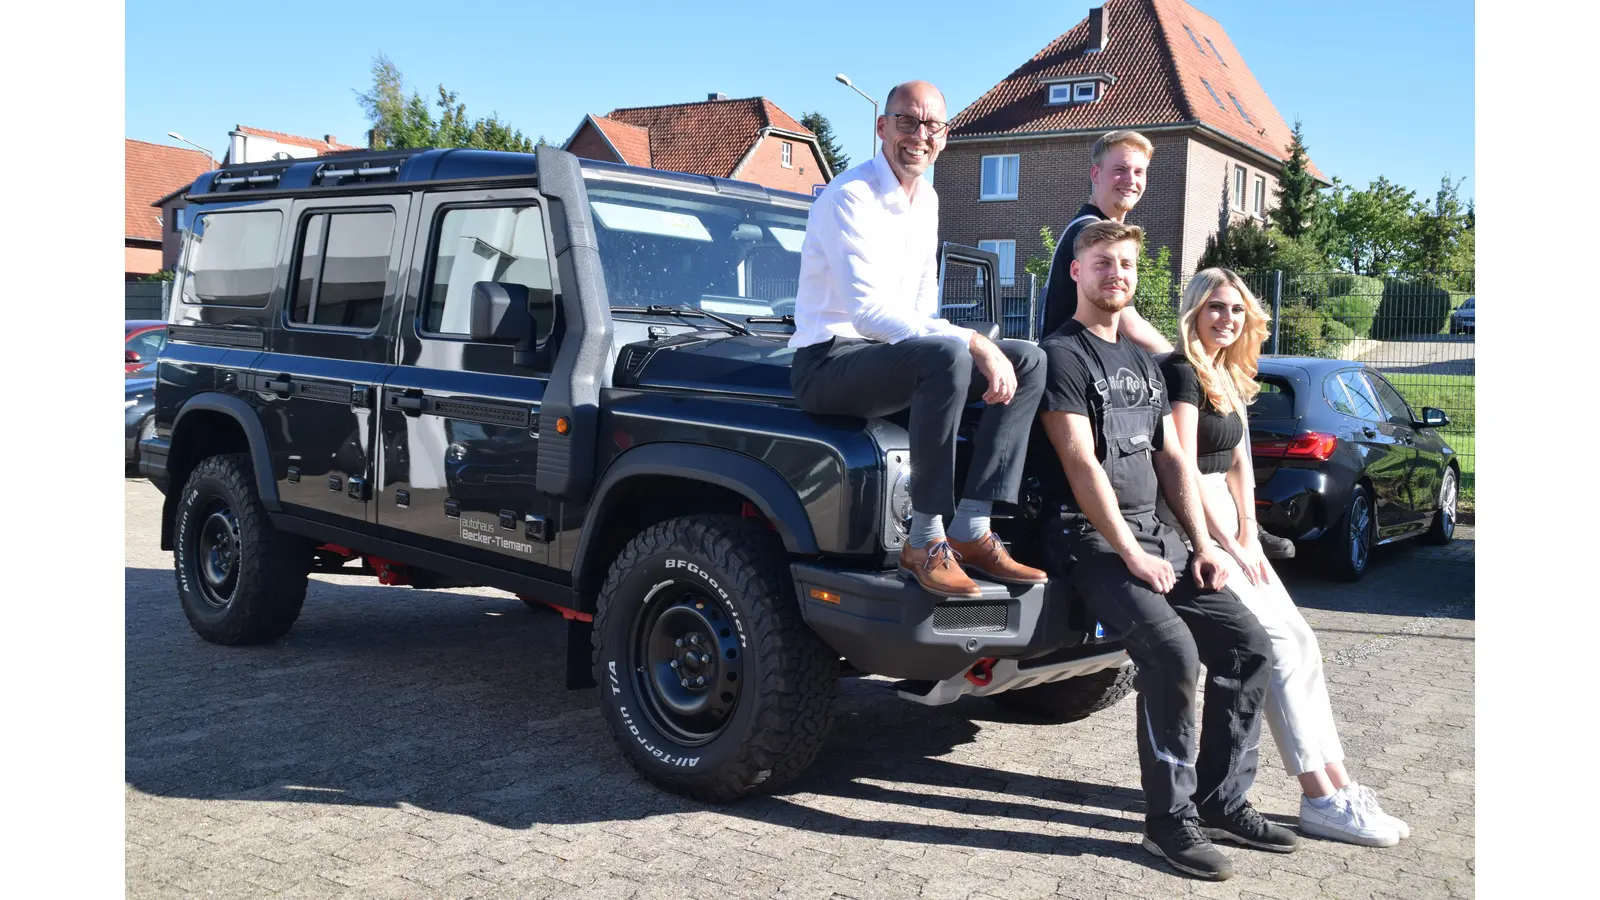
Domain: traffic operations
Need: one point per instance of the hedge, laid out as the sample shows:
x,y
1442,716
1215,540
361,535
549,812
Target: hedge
x,y
1411,308
1355,311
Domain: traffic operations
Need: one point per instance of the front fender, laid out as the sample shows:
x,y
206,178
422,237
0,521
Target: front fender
x,y
181,459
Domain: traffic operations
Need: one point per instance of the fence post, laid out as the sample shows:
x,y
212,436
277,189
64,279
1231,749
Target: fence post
x,y
166,297
1033,306
1277,306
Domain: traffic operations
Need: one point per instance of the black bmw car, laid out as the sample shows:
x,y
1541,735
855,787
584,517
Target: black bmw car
x,y
1342,461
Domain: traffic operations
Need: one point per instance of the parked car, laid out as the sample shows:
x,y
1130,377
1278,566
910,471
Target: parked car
x,y
1343,462
1461,317
142,342
139,408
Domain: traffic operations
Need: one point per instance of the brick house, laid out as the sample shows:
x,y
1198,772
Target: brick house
x,y
153,172
1018,157
748,139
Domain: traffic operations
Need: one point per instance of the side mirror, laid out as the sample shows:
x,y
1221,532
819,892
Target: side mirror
x,y
499,313
130,357
1433,418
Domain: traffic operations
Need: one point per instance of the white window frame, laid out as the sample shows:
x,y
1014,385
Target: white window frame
x,y
1078,92
1260,198
1000,176
1060,94
1239,176
788,155
1006,271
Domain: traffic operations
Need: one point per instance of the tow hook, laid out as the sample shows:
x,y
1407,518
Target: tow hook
x,y
982,671
389,571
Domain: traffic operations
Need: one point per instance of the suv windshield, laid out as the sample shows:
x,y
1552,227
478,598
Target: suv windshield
x,y
727,255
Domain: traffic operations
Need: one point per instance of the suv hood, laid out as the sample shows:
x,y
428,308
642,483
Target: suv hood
x,y
709,361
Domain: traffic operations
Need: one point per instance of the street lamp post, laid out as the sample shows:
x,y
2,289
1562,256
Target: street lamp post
x,y
845,80
174,134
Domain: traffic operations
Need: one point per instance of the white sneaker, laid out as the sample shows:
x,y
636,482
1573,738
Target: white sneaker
x,y
1344,820
1367,800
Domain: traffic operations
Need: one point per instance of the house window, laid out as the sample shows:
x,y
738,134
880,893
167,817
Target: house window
x,y
1240,107
1214,51
1261,194
1196,40
344,269
1238,188
1060,93
1083,92
1214,94
177,219
788,155
1007,251
999,178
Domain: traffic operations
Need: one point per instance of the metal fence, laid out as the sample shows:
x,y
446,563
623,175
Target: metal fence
x,y
147,299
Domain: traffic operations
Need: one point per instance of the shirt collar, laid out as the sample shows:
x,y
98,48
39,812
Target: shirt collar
x,y
889,186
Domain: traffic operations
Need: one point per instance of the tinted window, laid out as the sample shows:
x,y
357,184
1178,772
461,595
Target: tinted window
x,y
231,257
148,345
501,244
1276,400
343,269
1348,393
1394,406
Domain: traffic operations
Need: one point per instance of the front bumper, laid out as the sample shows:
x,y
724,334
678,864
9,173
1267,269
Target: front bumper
x,y
153,460
887,625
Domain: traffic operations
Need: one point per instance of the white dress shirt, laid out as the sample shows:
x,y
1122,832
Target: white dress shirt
x,y
869,263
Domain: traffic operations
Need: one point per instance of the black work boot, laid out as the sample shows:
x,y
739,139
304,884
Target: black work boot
x,y
1247,827
1274,547
1184,846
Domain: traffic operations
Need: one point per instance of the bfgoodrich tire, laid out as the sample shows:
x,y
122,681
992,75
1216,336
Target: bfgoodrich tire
x,y
711,683
1072,698
240,580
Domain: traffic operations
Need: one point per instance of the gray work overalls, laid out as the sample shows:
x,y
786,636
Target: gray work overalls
x,y
1168,636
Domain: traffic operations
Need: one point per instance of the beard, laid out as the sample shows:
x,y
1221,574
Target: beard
x,y
1107,301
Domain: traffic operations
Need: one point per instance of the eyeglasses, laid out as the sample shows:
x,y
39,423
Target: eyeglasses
x,y
909,124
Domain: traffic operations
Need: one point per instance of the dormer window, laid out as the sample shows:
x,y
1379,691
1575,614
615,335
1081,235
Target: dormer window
x,y
1072,92
1083,92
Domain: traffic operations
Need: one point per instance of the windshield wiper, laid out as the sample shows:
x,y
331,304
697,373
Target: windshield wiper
x,y
770,320
661,309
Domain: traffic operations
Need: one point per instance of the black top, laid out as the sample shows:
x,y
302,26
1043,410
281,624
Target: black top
x,y
1060,291
1215,434
1071,354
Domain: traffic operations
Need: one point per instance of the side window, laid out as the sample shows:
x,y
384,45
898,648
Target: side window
x,y
1348,393
231,258
148,345
1394,406
342,269
503,244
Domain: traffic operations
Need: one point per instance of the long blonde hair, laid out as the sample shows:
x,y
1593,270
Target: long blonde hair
x,y
1234,386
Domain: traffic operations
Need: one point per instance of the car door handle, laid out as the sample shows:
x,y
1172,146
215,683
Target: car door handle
x,y
1369,431
281,385
410,404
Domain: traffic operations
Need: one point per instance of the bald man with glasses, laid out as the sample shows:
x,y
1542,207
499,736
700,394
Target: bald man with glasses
x,y
869,342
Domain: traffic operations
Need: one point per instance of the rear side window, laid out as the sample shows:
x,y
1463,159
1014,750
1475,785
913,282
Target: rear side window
x,y
1276,400
231,258
502,244
342,269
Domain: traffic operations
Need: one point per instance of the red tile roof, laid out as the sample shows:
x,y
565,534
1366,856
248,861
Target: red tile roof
x,y
631,141
295,140
153,171
705,138
1161,77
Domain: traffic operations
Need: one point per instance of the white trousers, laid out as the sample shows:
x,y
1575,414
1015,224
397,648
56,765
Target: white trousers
x,y
1299,713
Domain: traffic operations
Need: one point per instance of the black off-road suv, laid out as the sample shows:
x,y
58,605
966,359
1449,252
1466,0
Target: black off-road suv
x,y
569,380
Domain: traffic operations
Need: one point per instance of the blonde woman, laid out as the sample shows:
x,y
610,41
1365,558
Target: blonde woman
x,y
1210,380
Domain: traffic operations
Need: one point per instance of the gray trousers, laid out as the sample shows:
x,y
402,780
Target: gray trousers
x,y
935,378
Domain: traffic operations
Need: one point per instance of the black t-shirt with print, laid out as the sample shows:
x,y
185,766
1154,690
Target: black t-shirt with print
x,y
1215,434
1060,291
1070,354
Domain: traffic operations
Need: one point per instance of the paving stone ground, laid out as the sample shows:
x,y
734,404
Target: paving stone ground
x,y
418,744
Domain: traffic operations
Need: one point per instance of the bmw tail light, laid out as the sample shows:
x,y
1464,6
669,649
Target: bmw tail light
x,y
1315,445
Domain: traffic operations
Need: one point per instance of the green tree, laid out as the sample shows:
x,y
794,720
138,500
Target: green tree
x,y
1241,246
1154,298
399,121
1039,266
1436,229
1373,229
831,151
1297,191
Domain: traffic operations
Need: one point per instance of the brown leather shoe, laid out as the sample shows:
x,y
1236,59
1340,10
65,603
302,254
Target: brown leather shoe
x,y
988,557
935,568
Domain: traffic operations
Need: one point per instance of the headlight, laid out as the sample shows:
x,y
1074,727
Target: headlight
x,y
896,499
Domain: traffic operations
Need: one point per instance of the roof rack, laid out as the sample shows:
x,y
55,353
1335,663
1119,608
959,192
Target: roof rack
x,y
348,171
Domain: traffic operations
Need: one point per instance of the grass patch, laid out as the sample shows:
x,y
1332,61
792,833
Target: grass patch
x,y
1455,394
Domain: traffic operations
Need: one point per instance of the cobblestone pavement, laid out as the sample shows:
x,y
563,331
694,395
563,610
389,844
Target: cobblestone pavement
x,y
416,744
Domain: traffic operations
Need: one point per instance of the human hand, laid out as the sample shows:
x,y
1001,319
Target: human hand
x,y
1252,559
1152,570
995,367
1210,572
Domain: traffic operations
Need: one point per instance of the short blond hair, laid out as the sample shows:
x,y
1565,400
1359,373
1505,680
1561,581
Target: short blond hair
x,y
1106,232
1113,138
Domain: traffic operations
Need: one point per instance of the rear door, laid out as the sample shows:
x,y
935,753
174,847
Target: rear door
x,y
460,419
1386,457
328,352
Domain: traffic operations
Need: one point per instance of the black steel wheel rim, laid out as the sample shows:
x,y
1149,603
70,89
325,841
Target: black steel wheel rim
x,y
216,557
1360,531
688,666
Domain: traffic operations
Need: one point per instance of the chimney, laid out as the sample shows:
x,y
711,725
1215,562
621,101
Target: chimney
x,y
1097,30
716,96
329,139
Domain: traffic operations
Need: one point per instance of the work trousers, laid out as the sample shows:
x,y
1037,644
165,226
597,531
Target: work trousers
x,y
935,378
1169,637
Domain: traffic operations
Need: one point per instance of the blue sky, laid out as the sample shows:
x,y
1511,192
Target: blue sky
x,y
1383,87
